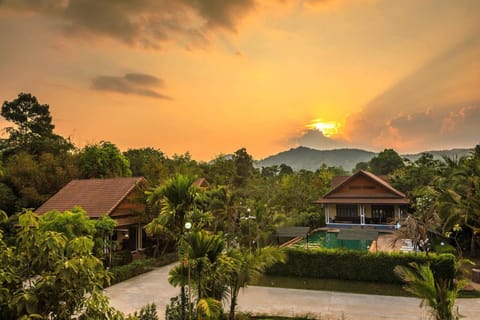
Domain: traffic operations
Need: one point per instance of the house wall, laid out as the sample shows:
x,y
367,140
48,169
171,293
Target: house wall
x,y
129,206
331,210
361,185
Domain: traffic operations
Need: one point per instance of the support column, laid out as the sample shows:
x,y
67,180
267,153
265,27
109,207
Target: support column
x,y
139,236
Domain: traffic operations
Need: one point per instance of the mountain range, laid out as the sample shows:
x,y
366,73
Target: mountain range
x,y
312,159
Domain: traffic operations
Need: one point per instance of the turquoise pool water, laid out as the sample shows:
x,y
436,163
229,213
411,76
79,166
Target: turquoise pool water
x,y
329,240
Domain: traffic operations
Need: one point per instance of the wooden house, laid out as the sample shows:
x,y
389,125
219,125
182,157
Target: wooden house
x,y
363,200
116,197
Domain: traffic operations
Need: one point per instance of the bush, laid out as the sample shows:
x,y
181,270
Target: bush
x,y
136,267
148,312
122,273
356,265
121,258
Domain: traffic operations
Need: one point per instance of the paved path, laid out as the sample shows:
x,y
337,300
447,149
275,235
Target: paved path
x,y
153,286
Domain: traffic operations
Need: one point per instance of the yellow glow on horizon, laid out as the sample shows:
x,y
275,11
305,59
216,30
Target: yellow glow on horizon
x,y
328,128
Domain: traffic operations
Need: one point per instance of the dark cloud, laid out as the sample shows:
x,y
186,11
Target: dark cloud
x,y
316,139
222,13
131,83
146,23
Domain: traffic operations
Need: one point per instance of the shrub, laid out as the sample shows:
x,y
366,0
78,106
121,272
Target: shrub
x,y
148,312
356,265
122,273
121,258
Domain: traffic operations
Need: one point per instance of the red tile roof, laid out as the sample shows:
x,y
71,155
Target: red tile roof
x,y
95,196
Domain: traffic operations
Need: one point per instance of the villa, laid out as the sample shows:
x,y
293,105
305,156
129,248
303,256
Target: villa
x,y
363,201
116,197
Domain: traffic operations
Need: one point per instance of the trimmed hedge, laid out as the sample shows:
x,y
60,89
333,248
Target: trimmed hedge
x,y
136,267
122,273
356,265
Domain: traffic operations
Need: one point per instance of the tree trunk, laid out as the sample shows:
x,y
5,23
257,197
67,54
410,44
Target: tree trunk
x,y
184,303
233,304
473,252
157,248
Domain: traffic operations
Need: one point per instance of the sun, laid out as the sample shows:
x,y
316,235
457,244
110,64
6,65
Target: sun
x,y
328,128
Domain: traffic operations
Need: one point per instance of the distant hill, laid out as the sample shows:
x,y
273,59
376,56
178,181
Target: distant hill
x,y
312,159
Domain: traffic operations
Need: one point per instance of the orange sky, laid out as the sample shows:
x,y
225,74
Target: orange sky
x,y
210,77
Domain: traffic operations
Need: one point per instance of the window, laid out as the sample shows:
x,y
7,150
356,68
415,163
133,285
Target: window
x,y
382,213
347,210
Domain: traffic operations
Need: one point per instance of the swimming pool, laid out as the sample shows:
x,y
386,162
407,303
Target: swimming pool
x,y
325,239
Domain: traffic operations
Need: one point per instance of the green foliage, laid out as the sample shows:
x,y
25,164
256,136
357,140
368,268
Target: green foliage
x,y
438,292
127,271
386,162
46,273
173,202
103,160
345,264
36,178
149,163
148,312
33,129
72,224
76,223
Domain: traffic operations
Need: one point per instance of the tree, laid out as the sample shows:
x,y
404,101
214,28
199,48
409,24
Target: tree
x,y
437,293
386,162
33,129
149,163
244,167
248,266
103,160
460,197
34,179
46,275
75,223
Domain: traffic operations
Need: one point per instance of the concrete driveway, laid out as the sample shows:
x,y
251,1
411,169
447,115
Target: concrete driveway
x,y
153,286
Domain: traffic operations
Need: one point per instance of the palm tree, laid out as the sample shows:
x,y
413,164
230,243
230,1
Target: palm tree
x,y
249,266
203,269
460,198
437,293
174,202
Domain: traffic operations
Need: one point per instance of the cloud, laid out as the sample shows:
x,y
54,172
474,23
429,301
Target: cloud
x,y
130,83
145,23
436,106
317,140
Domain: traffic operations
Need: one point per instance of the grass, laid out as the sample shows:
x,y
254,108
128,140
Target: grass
x,y
344,286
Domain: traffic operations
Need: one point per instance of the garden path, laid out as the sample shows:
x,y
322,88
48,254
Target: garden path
x,y
153,286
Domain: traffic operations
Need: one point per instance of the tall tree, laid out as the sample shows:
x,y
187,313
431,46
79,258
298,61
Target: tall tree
x,y
460,198
149,163
174,202
103,160
33,128
244,167
386,162
248,266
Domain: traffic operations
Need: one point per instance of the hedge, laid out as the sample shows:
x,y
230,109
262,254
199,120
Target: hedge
x,y
357,265
136,267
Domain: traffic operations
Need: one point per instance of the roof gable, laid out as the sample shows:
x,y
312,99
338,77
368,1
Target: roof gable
x,y
363,184
95,196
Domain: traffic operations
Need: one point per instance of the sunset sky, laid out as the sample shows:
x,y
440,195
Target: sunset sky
x,y
212,76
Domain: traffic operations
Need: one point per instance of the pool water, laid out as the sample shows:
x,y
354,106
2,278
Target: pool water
x,y
323,239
